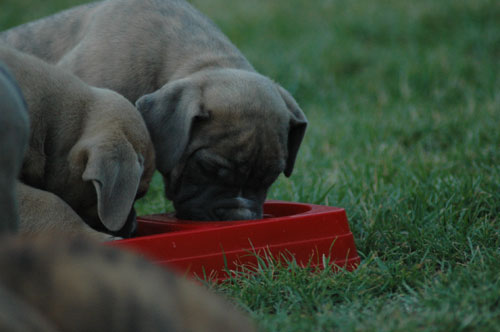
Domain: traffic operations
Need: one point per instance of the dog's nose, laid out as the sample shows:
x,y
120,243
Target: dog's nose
x,y
237,209
234,214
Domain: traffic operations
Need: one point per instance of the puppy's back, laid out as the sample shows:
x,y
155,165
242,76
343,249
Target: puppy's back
x,y
80,286
49,38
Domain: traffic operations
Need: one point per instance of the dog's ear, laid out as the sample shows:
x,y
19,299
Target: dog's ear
x,y
115,172
169,114
298,125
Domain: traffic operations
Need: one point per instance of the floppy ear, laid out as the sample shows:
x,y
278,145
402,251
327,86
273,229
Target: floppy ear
x,y
169,114
116,175
298,125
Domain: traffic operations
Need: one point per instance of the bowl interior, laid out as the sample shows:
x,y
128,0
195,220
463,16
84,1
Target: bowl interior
x,y
278,209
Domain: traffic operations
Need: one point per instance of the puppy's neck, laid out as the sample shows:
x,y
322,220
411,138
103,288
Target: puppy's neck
x,y
207,62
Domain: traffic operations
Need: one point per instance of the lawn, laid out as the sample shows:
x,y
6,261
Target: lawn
x,y
403,100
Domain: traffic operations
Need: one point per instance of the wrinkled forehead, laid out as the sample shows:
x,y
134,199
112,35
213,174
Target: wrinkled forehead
x,y
248,123
249,96
246,146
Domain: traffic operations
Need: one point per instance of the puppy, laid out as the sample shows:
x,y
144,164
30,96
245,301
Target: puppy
x,y
222,132
55,283
89,155
71,284
15,315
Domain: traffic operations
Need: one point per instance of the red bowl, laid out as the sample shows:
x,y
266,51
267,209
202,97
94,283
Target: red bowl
x,y
306,232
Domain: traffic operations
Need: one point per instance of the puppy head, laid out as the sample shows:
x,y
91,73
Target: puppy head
x,y
111,165
222,137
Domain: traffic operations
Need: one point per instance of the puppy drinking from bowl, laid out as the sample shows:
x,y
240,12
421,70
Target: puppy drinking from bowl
x,y
222,132
54,282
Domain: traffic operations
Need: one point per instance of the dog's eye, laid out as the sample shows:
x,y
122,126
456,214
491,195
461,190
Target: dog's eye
x,y
215,170
207,168
223,173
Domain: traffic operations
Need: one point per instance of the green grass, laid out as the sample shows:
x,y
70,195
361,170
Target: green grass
x,y
403,100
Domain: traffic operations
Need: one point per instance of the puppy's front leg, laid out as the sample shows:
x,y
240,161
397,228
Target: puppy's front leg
x,y
42,211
